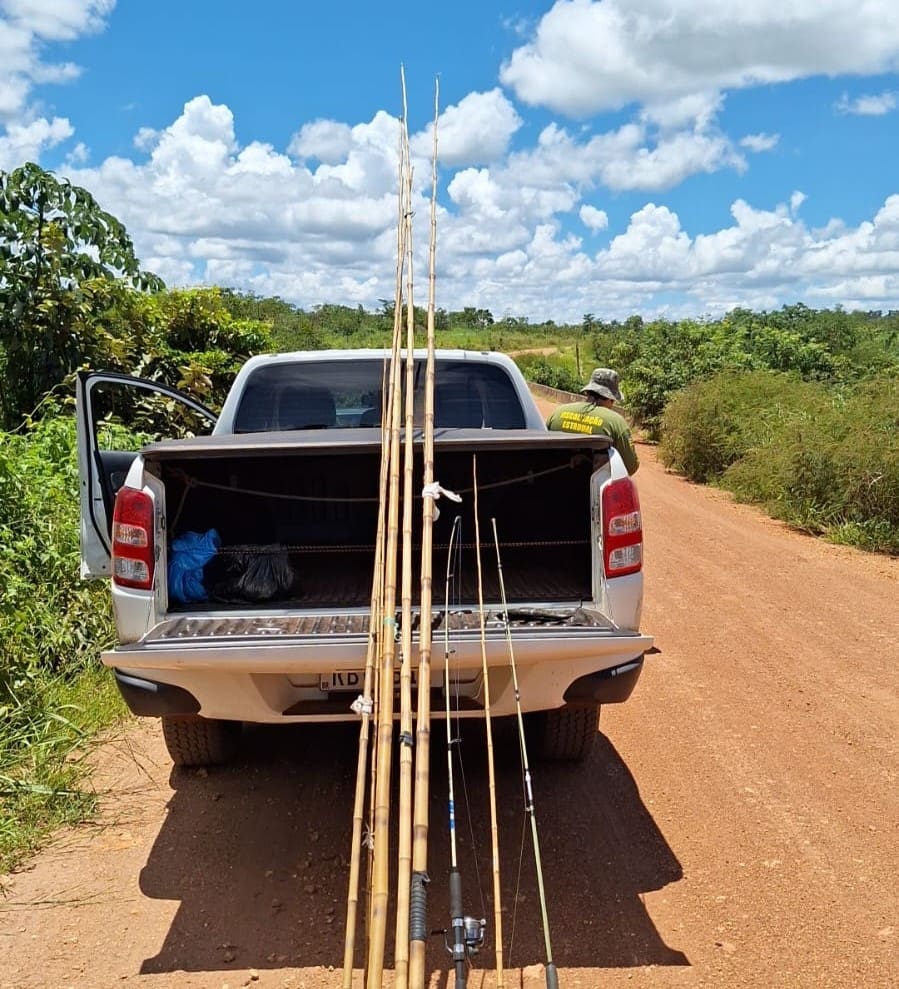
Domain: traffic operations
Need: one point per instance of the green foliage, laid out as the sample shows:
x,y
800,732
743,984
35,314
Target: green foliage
x,y
52,626
833,470
711,424
55,241
189,339
549,371
821,457
44,780
657,359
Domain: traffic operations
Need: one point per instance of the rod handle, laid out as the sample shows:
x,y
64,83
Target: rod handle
x,y
418,907
552,976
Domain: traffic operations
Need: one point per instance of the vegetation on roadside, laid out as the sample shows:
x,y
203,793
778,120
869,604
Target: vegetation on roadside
x,y
52,626
796,410
822,457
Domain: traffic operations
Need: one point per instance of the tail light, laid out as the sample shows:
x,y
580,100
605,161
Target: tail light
x,y
133,546
622,528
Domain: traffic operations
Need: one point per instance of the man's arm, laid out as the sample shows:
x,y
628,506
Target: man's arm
x,y
625,446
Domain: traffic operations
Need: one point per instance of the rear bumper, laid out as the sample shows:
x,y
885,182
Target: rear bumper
x,y
266,675
282,698
151,699
606,687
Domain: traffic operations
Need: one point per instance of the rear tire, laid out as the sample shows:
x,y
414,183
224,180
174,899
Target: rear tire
x,y
195,741
566,734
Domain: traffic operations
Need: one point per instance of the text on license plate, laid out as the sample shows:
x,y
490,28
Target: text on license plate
x,y
353,680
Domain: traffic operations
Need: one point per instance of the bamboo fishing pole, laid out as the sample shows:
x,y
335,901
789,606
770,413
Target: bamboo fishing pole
x,y
365,705
391,391
552,976
404,863
418,931
380,865
491,774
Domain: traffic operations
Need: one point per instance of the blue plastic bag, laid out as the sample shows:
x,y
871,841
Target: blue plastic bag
x,y
189,554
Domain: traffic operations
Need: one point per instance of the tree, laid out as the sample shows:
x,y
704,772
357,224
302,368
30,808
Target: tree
x,y
55,244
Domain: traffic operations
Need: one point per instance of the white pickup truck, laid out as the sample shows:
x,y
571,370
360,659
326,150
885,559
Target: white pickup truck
x,y
267,621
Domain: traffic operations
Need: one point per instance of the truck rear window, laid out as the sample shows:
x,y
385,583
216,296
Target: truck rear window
x,y
347,394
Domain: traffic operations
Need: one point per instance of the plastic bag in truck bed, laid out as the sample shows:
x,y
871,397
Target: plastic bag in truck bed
x,y
189,554
252,573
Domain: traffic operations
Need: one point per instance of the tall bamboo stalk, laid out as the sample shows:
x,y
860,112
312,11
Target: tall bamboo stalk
x,y
404,864
390,392
491,773
380,865
423,736
369,687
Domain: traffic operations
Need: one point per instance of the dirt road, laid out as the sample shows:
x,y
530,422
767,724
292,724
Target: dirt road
x,y
736,827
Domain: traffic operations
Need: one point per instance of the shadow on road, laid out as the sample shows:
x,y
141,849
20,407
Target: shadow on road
x,y
257,856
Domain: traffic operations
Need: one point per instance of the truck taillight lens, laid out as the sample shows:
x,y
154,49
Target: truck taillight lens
x,y
622,528
133,548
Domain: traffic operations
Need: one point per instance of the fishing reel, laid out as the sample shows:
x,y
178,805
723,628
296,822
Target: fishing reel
x,y
474,933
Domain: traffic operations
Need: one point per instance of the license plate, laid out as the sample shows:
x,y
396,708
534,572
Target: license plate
x,y
353,680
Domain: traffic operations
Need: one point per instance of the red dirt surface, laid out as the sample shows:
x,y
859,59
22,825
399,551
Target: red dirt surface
x,y
736,825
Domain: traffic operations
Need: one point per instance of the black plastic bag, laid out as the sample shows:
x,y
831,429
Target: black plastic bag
x,y
254,573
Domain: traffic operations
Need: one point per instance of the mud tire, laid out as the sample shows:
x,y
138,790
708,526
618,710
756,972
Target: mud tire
x,y
195,741
566,734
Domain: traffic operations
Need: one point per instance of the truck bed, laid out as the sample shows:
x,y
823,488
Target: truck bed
x,y
311,499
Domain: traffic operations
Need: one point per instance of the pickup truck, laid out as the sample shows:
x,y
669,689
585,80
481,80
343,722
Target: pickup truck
x,y
271,626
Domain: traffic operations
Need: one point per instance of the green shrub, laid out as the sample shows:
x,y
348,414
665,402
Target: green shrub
x,y
712,423
835,470
52,625
553,373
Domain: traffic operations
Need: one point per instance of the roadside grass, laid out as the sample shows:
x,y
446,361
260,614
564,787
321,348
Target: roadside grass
x,y
44,776
53,695
822,459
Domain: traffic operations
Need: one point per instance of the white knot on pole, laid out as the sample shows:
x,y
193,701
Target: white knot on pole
x,y
362,705
434,491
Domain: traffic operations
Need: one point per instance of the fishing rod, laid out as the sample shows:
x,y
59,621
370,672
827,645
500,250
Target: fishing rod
x,y
488,724
467,932
552,977
418,925
366,705
404,855
387,651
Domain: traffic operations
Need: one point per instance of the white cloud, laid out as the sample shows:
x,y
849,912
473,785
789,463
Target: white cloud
x,y
202,208
698,110
868,106
58,20
475,131
78,155
25,142
25,25
652,248
591,56
759,142
316,221
326,140
146,139
593,218
796,200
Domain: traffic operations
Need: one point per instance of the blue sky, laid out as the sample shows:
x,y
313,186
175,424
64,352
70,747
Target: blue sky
x,y
665,157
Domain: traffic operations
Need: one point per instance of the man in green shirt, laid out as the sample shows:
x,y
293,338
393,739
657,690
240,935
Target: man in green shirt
x,y
596,415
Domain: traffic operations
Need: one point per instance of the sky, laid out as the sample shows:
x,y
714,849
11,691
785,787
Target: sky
x,y
673,158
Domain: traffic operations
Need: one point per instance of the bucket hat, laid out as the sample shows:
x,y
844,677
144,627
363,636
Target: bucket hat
x,y
603,382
